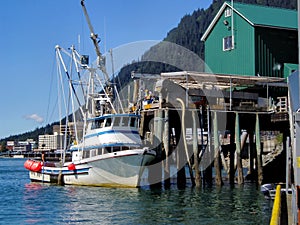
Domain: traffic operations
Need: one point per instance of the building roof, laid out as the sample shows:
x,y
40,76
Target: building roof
x,y
258,15
191,80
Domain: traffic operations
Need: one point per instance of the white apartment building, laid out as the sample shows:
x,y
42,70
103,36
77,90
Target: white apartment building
x,y
51,142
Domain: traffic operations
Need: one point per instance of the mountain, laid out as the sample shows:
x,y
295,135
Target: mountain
x,y
160,58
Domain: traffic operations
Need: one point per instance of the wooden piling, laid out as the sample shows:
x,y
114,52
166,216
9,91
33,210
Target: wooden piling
x,y
258,151
136,89
223,161
238,150
218,177
142,124
166,143
251,156
183,127
231,152
180,159
208,156
155,170
198,181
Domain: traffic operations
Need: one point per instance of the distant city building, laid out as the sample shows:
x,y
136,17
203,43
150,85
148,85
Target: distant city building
x,y
51,142
21,146
10,145
71,130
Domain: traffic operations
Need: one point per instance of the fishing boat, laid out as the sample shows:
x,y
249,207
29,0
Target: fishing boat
x,y
106,147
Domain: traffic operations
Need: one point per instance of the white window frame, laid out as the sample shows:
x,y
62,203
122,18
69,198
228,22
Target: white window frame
x,y
228,12
227,43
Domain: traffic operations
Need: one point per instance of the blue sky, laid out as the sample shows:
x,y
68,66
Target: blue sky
x,y
30,29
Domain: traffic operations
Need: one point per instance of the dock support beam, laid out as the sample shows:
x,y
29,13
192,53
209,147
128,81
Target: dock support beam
x,y
258,150
238,149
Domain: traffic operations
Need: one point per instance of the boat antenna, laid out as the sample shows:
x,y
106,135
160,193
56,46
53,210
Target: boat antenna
x,y
96,40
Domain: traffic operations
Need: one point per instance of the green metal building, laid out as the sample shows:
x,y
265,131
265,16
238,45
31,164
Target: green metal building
x,y
252,40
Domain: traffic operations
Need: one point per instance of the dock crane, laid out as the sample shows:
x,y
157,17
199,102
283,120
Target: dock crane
x,y
96,40
109,88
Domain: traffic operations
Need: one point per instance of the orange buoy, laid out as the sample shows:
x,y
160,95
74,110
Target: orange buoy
x,y
71,166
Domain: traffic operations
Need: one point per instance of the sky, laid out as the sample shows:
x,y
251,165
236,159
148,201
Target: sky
x,y
30,30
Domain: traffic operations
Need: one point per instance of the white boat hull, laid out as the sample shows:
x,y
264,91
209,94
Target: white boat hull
x,y
118,169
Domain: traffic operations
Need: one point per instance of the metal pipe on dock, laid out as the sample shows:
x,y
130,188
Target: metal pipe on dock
x,y
184,140
276,211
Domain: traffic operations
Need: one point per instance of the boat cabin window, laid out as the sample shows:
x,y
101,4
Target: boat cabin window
x,y
108,122
108,149
117,121
97,123
133,122
125,121
86,154
116,148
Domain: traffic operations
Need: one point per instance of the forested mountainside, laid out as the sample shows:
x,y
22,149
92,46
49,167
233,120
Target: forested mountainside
x,y
187,34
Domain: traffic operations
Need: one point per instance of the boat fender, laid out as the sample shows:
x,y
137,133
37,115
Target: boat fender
x,y
28,164
71,166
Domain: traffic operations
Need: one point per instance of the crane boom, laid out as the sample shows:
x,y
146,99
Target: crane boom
x,y
94,37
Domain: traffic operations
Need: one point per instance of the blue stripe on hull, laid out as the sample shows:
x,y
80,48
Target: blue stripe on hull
x,y
65,172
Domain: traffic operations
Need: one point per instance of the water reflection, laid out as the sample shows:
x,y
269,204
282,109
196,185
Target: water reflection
x,y
35,203
92,205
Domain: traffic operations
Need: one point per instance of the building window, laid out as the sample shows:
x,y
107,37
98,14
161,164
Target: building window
x,y
227,43
227,12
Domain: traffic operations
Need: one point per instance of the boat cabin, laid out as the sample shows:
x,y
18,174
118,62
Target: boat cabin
x,y
113,131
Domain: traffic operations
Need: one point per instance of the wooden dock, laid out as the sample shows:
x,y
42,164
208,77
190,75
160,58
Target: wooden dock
x,y
211,123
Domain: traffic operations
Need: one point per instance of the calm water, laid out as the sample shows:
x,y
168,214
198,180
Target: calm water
x,y
23,202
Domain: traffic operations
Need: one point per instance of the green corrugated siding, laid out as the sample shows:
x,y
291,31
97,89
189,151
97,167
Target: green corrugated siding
x,y
275,47
240,60
289,68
